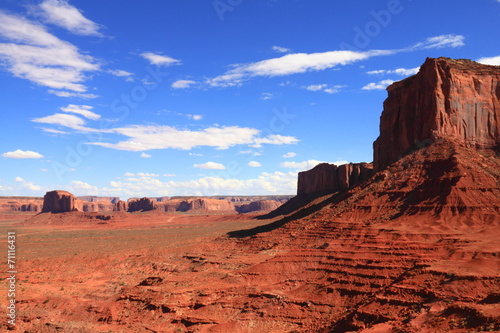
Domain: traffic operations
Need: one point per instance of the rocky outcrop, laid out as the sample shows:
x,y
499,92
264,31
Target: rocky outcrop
x,y
196,205
258,206
21,204
448,99
120,206
140,205
59,202
329,178
205,204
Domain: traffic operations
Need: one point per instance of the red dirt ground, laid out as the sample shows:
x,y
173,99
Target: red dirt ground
x,y
412,250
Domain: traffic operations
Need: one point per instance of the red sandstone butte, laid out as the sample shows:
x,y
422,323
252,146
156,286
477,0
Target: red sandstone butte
x,y
448,99
258,206
138,205
58,202
328,178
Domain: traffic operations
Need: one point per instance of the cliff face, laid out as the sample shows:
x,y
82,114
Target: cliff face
x,y
258,206
448,99
143,204
58,202
328,178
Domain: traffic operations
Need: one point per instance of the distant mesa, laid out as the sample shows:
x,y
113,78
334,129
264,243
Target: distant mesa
x,y
328,178
64,202
59,202
140,205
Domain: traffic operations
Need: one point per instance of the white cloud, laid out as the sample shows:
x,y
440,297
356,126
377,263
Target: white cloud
x,y
141,174
291,64
159,60
306,165
280,49
210,166
439,42
40,57
266,96
22,154
296,63
398,71
28,185
195,116
265,183
60,13
121,73
289,155
62,93
316,87
494,61
143,138
66,120
324,87
83,110
378,85
144,155
254,164
80,187
183,84
53,131
274,139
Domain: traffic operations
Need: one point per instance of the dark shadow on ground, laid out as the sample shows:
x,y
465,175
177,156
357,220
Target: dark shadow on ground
x,y
297,207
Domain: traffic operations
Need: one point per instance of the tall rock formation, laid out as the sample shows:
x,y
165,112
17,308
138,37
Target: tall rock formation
x,y
328,178
120,206
58,202
448,99
258,206
141,205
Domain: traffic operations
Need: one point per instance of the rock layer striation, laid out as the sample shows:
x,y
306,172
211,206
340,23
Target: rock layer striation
x,y
448,99
328,178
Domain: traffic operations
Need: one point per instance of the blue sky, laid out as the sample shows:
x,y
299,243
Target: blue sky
x,y
224,97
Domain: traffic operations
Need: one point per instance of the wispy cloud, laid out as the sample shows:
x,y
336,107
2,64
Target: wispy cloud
x,y
62,119
159,59
274,139
289,155
183,84
18,154
68,94
40,57
325,88
144,155
142,138
280,49
196,117
210,166
439,42
290,64
266,96
129,77
494,61
398,71
26,184
381,85
60,13
296,63
83,110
